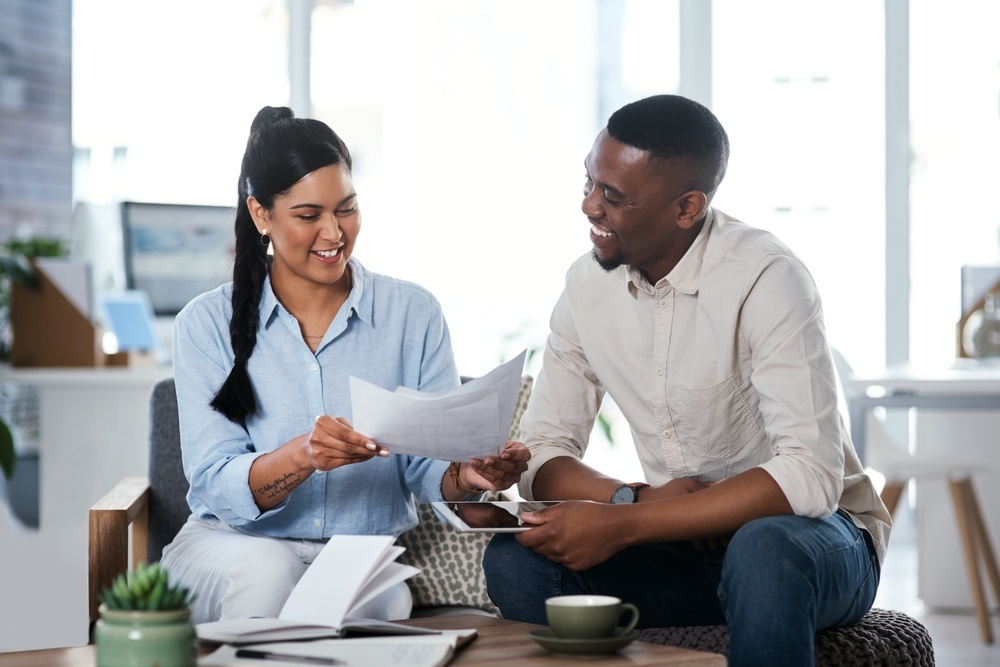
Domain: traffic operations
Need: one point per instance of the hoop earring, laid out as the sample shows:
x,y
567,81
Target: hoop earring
x,y
265,240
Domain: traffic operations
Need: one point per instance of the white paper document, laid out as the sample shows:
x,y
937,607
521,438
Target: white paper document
x,y
72,278
383,651
470,421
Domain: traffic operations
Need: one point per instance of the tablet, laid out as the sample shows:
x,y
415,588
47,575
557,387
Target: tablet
x,y
489,516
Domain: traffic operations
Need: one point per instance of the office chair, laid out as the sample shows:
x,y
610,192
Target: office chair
x,y
899,466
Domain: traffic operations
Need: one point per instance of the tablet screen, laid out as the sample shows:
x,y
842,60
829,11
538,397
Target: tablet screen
x,y
494,516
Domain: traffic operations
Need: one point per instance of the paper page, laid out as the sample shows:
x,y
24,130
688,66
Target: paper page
x,y
454,425
385,652
328,589
506,378
73,280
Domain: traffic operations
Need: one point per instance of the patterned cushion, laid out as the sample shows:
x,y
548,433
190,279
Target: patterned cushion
x,y
451,562
882,638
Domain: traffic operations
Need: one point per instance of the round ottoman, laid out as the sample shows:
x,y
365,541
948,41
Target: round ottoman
x,y
882,638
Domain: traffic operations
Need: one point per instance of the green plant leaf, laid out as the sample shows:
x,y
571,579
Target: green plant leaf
x,y
38,246
18,271
146,588
605,424
6,450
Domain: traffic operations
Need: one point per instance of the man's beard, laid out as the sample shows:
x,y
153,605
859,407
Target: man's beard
x,y
608,265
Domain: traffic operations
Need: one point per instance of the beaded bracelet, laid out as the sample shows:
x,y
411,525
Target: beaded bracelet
x,y
457,481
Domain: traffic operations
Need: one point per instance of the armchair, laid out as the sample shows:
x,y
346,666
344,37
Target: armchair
x,y
156,508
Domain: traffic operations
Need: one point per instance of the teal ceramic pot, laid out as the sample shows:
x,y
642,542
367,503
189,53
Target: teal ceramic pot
x,y
145,638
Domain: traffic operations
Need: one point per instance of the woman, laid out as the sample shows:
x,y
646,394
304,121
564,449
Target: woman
x,y
257,360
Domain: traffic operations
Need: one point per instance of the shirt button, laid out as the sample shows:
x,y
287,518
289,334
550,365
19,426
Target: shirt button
x,y
659,371
316,522
313,367
663,303
667,434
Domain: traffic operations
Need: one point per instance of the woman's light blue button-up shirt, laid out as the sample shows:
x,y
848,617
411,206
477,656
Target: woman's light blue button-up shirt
x,y
389,332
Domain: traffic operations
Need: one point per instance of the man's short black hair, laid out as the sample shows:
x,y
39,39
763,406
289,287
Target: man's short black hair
x,y
675,128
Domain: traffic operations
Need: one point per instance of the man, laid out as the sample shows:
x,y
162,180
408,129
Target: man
x,y
709,336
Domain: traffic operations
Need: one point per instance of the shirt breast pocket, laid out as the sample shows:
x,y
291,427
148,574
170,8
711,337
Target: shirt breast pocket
x,y
714,422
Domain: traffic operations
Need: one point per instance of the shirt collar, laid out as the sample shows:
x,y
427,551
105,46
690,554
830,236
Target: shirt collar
x,y
359,300
686,276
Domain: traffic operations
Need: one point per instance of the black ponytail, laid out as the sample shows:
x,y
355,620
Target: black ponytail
x,y
280,151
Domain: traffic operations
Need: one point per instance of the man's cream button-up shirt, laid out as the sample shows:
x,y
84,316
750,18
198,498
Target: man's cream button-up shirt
x,y
720,367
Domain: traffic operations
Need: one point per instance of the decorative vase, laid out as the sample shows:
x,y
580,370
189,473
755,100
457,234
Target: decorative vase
x,y
982,331
145,638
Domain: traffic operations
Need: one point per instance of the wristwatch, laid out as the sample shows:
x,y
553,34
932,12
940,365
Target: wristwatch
x,y
627,493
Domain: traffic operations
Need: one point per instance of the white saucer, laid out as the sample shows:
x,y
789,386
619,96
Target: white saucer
x,y
578,647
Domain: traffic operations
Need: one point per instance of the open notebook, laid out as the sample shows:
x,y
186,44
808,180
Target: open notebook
x,y
349,571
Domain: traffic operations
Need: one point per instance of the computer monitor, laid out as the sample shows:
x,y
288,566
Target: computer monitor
x,y
174,252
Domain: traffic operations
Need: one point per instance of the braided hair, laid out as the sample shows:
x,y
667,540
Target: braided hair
x,y
281,150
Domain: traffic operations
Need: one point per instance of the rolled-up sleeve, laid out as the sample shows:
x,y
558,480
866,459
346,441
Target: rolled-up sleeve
x,y
564,401
782,326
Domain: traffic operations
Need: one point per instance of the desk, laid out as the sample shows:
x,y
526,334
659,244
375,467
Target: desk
x,y
906,387
93,430
499,643
958,415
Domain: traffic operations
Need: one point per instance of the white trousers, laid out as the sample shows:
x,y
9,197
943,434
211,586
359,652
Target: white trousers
x,y
236,575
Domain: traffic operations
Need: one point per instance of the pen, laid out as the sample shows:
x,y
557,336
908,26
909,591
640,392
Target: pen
x,y
286,657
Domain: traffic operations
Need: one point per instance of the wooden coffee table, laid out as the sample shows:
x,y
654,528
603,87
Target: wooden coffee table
x,y
499,643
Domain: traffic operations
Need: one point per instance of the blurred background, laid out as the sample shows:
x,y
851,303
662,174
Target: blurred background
x,y
863,133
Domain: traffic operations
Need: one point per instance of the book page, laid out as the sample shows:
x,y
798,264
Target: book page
x,y
329,588
381,581
256,630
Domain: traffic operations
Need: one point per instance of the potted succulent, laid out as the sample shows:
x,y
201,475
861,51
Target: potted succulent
x,y
145,621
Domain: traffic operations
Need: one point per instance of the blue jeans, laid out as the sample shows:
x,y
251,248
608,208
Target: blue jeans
x,y
779,580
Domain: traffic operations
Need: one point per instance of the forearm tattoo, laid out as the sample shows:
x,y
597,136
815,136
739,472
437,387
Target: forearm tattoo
x,y
283,484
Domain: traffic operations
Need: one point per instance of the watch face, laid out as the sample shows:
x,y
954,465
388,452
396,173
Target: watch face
x,y
623,495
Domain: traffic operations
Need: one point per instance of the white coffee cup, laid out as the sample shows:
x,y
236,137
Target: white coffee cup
x,y
588,616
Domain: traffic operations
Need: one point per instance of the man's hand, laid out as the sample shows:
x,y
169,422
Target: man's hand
x,y
680,487
577,533
675,487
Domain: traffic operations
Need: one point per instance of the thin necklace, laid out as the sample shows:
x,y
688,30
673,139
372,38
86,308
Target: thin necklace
x,y
350,286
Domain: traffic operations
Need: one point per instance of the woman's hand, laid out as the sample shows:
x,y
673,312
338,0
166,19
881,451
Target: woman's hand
x,y
492,473
496,473
333,442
